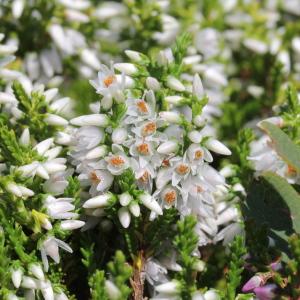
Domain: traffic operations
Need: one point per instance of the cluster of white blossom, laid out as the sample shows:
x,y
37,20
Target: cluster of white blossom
x,y
162,142
54,212
57,25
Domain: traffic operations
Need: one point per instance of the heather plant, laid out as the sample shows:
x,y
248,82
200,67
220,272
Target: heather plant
x,y
149,150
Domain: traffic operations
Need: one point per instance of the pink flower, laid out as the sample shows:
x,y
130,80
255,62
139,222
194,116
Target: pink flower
x,y
254,282
265,292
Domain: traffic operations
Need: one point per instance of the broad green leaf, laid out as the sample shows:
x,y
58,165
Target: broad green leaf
x,y
288,194
284,146
274,202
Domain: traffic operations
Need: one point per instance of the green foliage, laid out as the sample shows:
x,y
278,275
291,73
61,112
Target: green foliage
x,y
97,285
121,272
186,242
290,112
146,20
119,111
12,151
288,195
35,109
125,182
82,92
283,145
160,230
241,150
236,266
4,262
294,265
275,203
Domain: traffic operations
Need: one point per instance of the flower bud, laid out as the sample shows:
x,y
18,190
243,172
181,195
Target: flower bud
x,y
125,199
37,271
230,214
90,58
152,84
43,146
14,189
168,147
278,121
98,201
217,147
55,120
252,283
71,224
170,287
211,295
135,209
25,137
97,152
195,136
16,277
127,68
112,290
265,292
124,217
198,87
134,55
150,203
174,84
101,120
170,116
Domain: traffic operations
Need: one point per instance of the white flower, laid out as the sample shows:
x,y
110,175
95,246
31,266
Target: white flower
x,y
108,84
117,163
59,208
50,248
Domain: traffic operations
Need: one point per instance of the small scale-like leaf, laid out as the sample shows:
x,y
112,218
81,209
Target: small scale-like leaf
x,y
284,146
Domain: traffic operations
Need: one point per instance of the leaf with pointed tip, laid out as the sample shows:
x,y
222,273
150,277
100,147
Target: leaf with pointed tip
x,y
288,194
